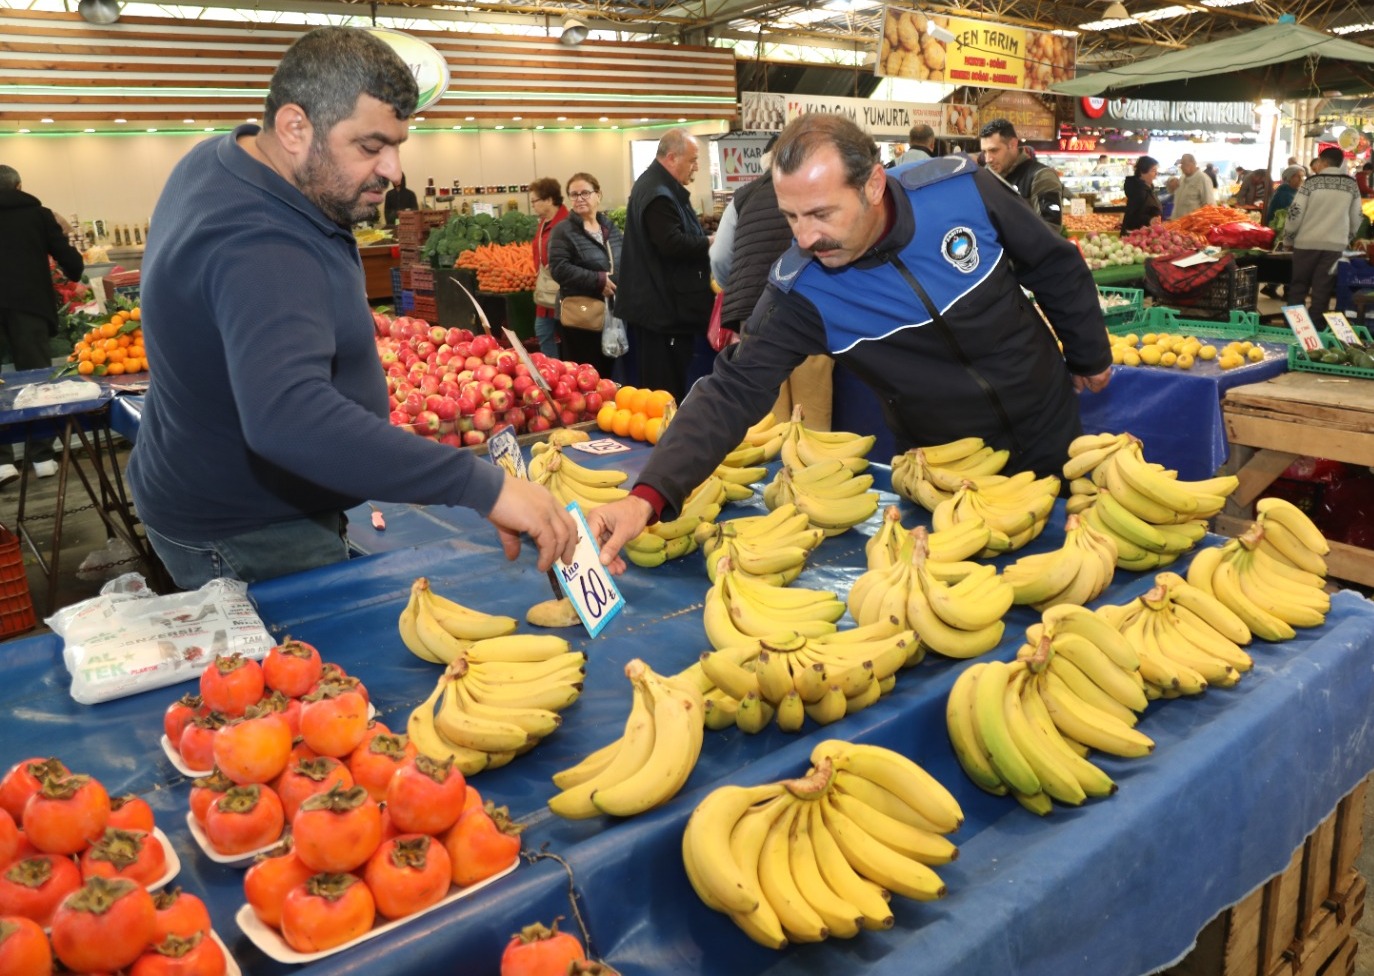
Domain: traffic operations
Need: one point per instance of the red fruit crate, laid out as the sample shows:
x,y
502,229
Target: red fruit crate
x,y
16,602
421,278
426,309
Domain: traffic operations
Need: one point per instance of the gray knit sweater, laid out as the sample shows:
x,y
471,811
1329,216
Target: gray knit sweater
x,y
1325,213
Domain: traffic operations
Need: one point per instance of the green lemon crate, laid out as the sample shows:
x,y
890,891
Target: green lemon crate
x,y
1298,361
1239,325
1122,315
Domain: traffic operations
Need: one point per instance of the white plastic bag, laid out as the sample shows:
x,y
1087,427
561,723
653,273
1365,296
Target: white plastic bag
x,y
615,342
129,640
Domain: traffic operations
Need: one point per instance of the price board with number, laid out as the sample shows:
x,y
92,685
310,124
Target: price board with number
x,y
586,582
1300,321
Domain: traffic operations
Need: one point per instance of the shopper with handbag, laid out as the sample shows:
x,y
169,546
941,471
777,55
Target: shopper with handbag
x,y
546,200
584,252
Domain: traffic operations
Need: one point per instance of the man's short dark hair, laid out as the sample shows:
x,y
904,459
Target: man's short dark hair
x,y
326,70
1331,156
998,127
807,133
9,178
921,135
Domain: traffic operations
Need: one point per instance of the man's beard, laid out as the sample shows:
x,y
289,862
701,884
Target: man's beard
x,y
319,179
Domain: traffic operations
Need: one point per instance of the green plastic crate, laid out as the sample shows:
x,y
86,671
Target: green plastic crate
x,y
1298,361
1240,326
1122,315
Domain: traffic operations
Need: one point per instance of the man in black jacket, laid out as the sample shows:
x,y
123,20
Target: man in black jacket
x,y
29,234
1037,183
912,278
664,294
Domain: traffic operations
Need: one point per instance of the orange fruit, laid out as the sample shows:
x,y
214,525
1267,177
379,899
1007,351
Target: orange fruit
x,y
136,314
621,424
108,330
605,417
85,368
622,396
97,356
658,400
639,403
652,429
84,356
637,422
115,369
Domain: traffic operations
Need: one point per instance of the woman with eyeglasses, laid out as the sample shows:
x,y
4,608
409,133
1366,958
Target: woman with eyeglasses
x,y
584,255
546,200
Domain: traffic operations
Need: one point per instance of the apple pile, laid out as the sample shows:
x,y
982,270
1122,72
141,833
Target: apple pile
x,y
458,388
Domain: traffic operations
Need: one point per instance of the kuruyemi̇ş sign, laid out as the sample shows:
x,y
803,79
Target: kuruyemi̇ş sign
x,y
425,63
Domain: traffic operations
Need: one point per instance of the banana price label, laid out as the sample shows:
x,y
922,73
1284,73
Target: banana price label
x,y
602,445
586,582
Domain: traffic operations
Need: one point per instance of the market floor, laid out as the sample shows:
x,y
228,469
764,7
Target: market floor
x,y
84,537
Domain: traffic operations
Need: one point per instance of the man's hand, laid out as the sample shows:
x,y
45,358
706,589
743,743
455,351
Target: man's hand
x,y
524,507
614,525
1093,384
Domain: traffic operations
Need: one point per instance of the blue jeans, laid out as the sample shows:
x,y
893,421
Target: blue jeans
x,y
286,547
546,331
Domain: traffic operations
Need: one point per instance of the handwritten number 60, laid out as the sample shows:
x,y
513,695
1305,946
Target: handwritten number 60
x,y
595,597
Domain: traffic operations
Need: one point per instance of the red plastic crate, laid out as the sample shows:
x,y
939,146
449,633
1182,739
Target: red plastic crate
x,y
16,602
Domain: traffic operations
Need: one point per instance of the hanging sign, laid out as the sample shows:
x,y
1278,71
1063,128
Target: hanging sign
x,y
1150,113
960,51
767,112
425,63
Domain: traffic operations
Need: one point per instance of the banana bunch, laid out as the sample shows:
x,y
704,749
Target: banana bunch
x,y
740,608
650,762
1150,513
663,541
802,447
768,434
438,630
1015,509
1290,536
931,475
1187,640
497,701
772,547
715,491
819,856
831,495
1077,572
955,608
892,542
560,437
1268,593
572,482
1019,728
790,678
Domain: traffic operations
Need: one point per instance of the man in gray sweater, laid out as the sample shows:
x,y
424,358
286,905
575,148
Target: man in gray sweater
x,y
1322,219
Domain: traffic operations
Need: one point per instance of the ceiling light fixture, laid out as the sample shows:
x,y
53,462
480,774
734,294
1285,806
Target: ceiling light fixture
x,y
98,11
1116,11
574,31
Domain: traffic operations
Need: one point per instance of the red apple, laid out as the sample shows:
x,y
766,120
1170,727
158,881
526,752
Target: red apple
x,y
506,361
396,369
606,388
484,373
438,334
447,408
574,401
538,425
387,356
587,379
532,397
414,403
425,349
501,400
483,418
482,344
515,417
464,376
429,383
491,356
568,418
399,418
455,335
473,363
520,384
474,437
452,440
427,422
593,403
443,356
503,381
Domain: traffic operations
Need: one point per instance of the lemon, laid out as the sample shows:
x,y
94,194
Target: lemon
x,y
1149,338
1131,338
1184,361
1150,355
1118,355
1254,354
1230,360
1130,357
1168,359
1207,353
1246,346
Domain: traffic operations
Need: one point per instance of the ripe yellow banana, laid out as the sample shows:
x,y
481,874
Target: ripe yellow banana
x,y
463,622
1050,767
717,879
632,751
678,732
1226,586
1091,778
410,636
1285,513
590,477
899,776
473,731
963,736
1154,485
1289,547
1079,620
951,451
746,844
841,918
517,648
1090,726
943,638
421,730
879,863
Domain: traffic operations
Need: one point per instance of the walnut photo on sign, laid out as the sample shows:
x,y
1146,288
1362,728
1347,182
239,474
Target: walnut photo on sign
x,y
907,50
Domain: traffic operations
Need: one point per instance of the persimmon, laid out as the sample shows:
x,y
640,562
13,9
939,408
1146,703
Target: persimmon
x,y
179,913
327,911
376,760
9,838
254,748
103,925
407,874
22,781
337,831
292,667
271,878
24,949
244,819
195,955
303,778
287,708
231,683
66,814
333,719
334,674
34,886
205,790
179,714
537,950
425,796
129,812
196,747
133,854
483,842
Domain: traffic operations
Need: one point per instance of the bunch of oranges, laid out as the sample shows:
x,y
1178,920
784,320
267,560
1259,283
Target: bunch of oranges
x,y
112,348
638,414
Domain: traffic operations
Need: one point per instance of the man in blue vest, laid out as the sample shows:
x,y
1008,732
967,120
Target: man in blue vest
x,y
912,278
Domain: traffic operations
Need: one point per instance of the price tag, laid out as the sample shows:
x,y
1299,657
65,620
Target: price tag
x,y
1300,321
1340,328
504,451
586,582
602,445
1078,207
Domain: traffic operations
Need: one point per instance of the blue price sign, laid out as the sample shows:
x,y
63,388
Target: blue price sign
x,y
587,583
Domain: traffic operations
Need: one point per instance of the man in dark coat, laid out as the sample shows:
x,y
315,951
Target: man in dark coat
x,y
29,234
664,294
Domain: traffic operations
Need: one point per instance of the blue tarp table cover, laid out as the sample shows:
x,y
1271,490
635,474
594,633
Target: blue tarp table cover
x,y
1119,886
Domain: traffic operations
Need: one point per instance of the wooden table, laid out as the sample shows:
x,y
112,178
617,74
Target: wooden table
x,y
1271,423
377,264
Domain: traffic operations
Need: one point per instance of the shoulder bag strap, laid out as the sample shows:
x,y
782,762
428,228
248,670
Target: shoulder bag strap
x,y
543,246
952,342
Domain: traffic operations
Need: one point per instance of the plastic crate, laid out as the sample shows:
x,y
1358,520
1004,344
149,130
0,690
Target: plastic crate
x,y
406,303
422,278
16,602
426,309
1125,314
1298,361
1235,288
1239,325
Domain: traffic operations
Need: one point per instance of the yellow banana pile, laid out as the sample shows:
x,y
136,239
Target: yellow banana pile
x,y
1019,728
740,608
790,678
1268,592
798,444
663,541
931,475
497,701
560,437
1151,514
772,547
815,857
570,481
649,763
1077,572
438,630
716,491
892,542
1185,638
1014,509
1290,536
830,494
956,609
767,434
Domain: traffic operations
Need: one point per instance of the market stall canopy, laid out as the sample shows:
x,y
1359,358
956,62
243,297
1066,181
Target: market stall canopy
x,y
1279,61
